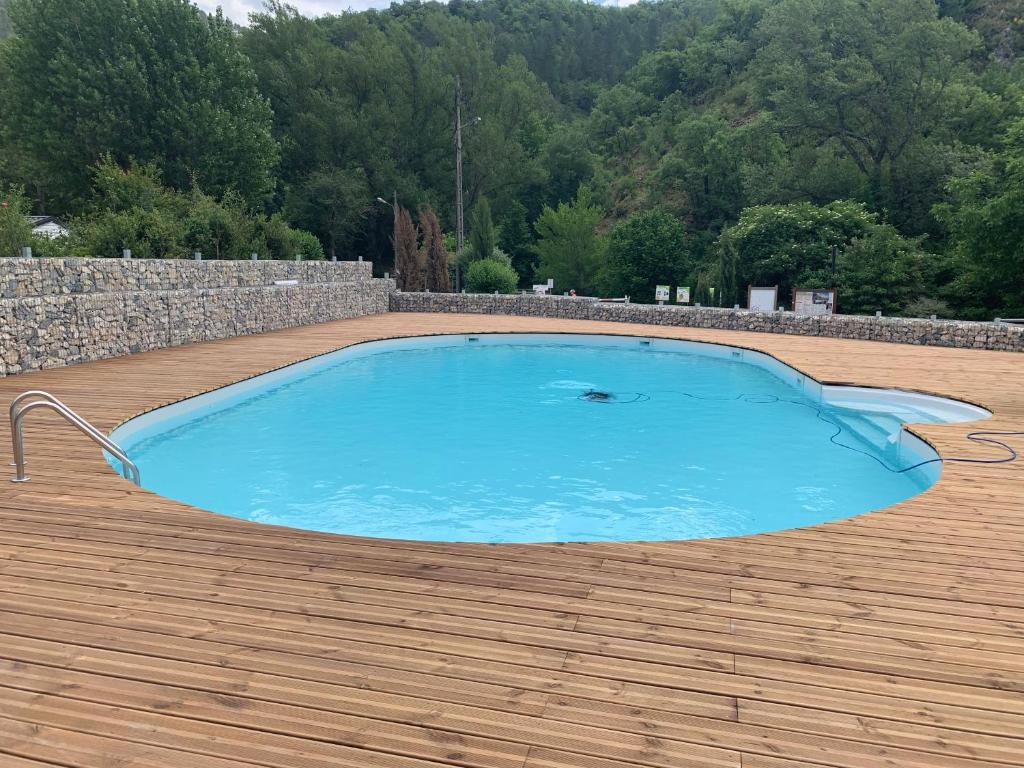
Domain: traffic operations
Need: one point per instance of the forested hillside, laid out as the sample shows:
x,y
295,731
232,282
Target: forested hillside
x,y
5,22
873,144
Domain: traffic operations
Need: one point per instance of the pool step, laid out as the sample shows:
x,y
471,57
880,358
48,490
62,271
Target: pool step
x,y
876,432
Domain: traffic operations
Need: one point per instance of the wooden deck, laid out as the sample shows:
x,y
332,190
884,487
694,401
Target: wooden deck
x,y
137,631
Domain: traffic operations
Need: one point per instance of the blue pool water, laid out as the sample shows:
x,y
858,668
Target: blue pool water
x,y
496,440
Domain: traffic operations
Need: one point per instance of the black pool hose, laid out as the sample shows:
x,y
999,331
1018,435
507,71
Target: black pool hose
x,y
978,436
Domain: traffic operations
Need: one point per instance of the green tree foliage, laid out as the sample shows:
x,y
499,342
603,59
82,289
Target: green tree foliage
x,y
149,80
711,111
789,245
219,229
515,238
434,253
333,202
882,271
702,173
131,209
376,92
875,82
646,250
986,220
277,240
1000,23
483,238
490,275
15,231
569,161
5,20
569,249
572,46
876,268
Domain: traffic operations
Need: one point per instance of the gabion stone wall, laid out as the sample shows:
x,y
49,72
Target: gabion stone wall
x,y
940,333
56,312
52,277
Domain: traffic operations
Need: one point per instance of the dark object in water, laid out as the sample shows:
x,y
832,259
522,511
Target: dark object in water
x,y
610,398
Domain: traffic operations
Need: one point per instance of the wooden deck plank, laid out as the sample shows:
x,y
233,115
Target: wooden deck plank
x,y
138,631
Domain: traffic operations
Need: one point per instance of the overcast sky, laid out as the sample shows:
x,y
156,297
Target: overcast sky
x,y
239,10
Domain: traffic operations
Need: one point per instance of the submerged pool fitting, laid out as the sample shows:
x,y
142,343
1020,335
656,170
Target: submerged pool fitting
x,y
540,437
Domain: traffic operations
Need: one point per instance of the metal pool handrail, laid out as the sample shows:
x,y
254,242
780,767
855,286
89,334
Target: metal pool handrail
x,y
40,399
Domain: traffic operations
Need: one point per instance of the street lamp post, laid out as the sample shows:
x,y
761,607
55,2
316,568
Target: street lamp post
x,y
394,229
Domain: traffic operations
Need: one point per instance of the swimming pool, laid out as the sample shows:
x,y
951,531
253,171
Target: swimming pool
x,y
539,437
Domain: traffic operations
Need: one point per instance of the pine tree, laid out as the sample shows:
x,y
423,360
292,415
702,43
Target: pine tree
x,y
483,238
433,253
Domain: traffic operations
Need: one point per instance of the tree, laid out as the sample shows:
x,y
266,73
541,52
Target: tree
x,y
874,78
1000,22
279,241
218,229
149,80
646,250
435,254
881,271
985,218
569,248
703,170
700,109
331,202
375,91
408,268
483,238
790,245
490,276
569,162
5,21
514,237
130,208
15,230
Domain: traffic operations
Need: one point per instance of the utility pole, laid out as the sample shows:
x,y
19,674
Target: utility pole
x,y
460,224
394,236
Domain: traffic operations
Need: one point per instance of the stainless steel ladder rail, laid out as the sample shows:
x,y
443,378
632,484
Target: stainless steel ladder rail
x,y
39,399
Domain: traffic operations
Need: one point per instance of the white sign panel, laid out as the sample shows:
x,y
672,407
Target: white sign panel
x,y
763,299
662,293
814,302
682,295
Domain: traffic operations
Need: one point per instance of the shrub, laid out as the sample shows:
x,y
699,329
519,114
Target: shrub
x,y
154,233
925,307
646,250
15,230
274,239
880,271
306,245
490,275
50,248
